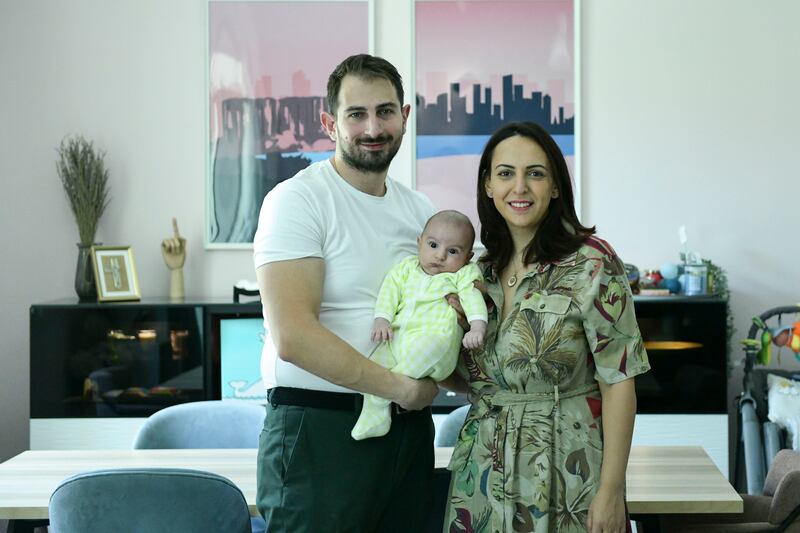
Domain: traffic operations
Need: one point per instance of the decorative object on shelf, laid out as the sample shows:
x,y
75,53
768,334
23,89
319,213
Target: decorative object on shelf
x,y
669,271
174,252
84,274
115,273
632,273
718,285
84,176
178,341
650,279
696,275
670,281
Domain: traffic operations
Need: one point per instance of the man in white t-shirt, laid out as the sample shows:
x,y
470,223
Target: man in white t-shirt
x,y
325,240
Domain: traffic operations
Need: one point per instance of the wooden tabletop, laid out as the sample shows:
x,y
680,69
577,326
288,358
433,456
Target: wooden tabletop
x,y
661,479
677,479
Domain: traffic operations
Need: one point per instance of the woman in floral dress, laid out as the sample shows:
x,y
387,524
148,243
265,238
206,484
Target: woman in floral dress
x,y
545,445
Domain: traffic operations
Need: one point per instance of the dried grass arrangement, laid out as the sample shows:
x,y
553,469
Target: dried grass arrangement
x,y
85,179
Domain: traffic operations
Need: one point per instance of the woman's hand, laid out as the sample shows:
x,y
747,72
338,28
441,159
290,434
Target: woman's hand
x,y
607,512
455,303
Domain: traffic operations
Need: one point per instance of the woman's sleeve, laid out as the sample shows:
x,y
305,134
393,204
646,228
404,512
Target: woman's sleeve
x,y
609,319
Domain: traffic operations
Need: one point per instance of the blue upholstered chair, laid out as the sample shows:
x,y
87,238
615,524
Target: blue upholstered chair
x,y
447,435
148,500
211,424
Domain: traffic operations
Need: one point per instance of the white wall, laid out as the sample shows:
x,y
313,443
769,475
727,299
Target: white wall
x,y
689,117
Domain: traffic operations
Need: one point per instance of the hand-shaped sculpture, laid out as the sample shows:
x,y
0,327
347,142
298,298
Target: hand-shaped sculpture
x,y
174,252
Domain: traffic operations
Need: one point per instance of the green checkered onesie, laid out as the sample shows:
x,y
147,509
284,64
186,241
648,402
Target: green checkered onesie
x,y
427,336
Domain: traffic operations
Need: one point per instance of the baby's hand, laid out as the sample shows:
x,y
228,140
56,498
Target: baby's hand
x,y
474,337
381,330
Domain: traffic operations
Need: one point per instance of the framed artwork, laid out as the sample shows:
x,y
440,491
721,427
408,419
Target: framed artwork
x,y
115,273
480,64
268,68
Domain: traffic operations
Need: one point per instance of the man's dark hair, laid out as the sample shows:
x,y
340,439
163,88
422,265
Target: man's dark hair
x,y
559,234
364,66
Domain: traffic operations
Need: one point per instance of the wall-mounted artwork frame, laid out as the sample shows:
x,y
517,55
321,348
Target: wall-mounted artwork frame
x,y
517,59
115,273
268,65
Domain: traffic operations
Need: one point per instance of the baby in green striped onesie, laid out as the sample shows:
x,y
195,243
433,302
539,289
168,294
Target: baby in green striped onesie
x,y
417,329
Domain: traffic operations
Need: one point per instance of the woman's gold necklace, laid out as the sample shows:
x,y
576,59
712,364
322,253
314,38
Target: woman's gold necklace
x,y
513,279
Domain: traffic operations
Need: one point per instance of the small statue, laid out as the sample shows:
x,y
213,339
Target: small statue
x,y
174,252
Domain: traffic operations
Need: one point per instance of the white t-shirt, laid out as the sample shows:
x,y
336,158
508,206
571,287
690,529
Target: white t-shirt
x,y
316,213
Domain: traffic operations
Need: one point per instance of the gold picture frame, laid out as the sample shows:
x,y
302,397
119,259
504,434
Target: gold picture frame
x,y
115,273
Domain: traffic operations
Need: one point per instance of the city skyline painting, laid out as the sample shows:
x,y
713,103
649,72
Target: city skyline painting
x,y
268,67
480,64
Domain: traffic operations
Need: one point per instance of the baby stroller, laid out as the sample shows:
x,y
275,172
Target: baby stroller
x,y
759,439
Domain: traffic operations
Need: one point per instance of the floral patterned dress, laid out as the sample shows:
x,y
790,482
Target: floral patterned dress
x,y
529,454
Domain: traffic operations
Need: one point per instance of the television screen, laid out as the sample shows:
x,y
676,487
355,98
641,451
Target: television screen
x,y
240,342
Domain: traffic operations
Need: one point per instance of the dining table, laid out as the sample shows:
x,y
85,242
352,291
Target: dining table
x,y
659,479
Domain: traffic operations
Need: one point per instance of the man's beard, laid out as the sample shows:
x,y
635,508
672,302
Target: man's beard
x,y
371,162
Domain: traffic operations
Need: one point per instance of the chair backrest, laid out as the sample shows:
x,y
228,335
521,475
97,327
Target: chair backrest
x,y
151,500
785,461
209,424
447,434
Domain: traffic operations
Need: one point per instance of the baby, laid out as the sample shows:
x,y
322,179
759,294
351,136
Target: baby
x,y
417,328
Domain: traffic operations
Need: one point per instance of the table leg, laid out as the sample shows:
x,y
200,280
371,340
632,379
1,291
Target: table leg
x,y
647,523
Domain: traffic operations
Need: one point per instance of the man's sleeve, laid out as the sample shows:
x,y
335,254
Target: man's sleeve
x,y
290,226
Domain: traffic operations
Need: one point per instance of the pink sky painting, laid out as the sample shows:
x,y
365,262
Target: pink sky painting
x,y
278,40
478,42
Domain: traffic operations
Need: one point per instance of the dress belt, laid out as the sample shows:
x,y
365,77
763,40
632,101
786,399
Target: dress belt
x,y
504,397
505,400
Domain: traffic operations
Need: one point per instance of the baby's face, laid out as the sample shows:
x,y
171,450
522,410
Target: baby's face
x,y
443,247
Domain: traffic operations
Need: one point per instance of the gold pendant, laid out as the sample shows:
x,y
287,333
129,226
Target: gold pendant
x,y
512,280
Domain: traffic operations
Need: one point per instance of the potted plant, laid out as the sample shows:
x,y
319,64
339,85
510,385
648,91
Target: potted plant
x,y
85,179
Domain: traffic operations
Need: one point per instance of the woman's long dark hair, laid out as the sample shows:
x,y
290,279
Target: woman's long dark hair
x,y
553,240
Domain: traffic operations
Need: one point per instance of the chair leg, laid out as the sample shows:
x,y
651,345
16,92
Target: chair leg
x,y
26,526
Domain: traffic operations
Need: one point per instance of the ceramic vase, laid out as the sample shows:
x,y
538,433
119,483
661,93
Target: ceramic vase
x,y
84,274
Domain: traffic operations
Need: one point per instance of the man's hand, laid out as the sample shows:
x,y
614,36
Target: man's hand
x,y
474,337
381,330
417,393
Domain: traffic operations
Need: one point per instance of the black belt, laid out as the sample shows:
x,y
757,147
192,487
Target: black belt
x,y
337,401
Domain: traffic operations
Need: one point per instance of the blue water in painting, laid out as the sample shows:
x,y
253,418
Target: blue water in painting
x,y
447,145
442,146
315,157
